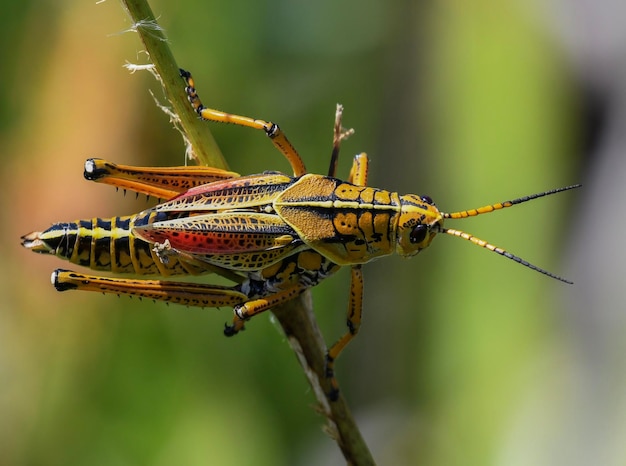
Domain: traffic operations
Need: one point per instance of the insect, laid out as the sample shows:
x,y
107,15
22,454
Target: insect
x,y
273,235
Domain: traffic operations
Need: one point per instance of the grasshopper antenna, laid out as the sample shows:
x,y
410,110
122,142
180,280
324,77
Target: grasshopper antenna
x,y
502,205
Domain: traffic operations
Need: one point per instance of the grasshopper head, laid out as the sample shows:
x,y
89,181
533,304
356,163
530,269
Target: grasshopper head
x,y
419,222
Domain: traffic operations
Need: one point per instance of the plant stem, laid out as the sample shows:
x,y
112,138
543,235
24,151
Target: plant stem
x,y
304,335
203,145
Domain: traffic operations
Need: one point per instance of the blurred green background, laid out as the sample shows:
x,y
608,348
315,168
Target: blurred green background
x,y
464,358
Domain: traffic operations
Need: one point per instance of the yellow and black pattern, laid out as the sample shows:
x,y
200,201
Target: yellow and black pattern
x,y
106,245
348,223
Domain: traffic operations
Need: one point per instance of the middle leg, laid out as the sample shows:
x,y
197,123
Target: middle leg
x,y
272,130
353,321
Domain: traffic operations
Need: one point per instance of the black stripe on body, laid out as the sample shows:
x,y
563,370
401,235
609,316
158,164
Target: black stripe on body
x,y
61,237
82,252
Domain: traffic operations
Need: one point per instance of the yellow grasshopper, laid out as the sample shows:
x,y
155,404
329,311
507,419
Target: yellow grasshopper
x,y
272,234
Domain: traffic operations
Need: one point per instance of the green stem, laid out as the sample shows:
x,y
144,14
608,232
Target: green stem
x,y
200,138
304,335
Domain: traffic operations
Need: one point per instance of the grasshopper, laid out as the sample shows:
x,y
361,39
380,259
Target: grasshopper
x,y
271,234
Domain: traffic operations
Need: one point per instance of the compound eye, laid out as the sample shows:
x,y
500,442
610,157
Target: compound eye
x,y
427,200
418,234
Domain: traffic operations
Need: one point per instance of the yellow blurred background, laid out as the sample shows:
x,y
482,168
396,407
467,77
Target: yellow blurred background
x,y
464,358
